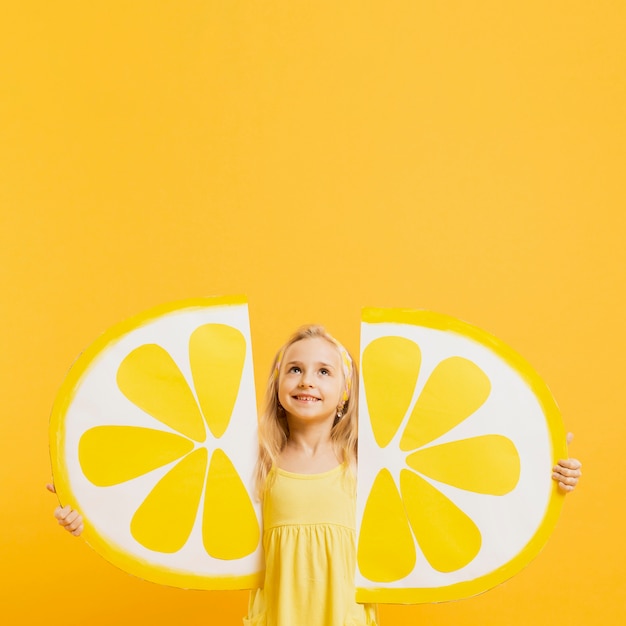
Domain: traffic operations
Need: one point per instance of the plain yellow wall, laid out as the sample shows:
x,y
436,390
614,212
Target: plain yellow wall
x,y
464,157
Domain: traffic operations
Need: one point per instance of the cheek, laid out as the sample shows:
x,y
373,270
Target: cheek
x,y
281,392
338,392
284,390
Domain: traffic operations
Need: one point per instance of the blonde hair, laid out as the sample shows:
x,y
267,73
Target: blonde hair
x,y
273,427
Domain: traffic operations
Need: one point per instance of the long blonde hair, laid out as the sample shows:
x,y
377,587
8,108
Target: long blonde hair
x,y
273,427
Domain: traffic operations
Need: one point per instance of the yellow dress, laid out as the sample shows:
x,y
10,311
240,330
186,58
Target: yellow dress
x,y
310,553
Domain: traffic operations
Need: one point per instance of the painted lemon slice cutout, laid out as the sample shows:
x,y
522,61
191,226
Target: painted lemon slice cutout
x,y
457,439
153,439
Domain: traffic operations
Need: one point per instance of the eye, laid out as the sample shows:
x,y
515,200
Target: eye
x,y
294,369
324,372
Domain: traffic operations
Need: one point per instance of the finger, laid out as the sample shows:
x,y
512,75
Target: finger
x,y
50,487
566,488
68,524
569,463
71,518
567,480
78,531
563,471
61,512
569,438
75,524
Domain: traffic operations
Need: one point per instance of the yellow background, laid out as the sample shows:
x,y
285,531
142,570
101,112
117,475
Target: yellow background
x,y
464,157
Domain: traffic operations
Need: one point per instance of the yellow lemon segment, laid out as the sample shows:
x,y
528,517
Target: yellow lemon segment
x,y
110,455
150,379
447,536
217,353
486,464
132,431
234,531
386,550
165,518
456,388
389,362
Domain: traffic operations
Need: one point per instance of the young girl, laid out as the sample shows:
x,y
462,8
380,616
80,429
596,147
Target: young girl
x,y
306,479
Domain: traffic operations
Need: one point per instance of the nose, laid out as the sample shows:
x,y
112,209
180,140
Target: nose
x,y
305,380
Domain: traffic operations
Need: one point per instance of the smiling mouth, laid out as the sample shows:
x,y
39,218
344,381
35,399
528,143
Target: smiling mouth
x,y
307,398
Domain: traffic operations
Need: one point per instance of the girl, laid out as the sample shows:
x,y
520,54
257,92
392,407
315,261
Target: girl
x,y
305,477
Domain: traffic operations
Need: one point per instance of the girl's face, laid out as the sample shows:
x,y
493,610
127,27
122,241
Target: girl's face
x,y
311,380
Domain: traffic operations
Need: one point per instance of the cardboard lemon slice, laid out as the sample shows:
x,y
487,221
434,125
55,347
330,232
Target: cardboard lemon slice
x,y
153,439
457,439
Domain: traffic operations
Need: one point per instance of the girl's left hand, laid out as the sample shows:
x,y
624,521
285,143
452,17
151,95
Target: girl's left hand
x,y
567,471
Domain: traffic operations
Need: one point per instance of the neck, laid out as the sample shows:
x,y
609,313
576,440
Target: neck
x,y
309,451
309,441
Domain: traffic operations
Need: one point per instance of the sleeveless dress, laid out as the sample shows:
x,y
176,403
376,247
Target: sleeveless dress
x,y
310,552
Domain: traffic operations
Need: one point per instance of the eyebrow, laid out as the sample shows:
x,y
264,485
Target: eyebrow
x,y
319,363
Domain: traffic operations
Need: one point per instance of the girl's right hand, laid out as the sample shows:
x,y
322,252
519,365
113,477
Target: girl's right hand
x,y
71,520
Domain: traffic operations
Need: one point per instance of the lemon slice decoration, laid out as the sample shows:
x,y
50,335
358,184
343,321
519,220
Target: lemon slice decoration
x,y
153,440
457,438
